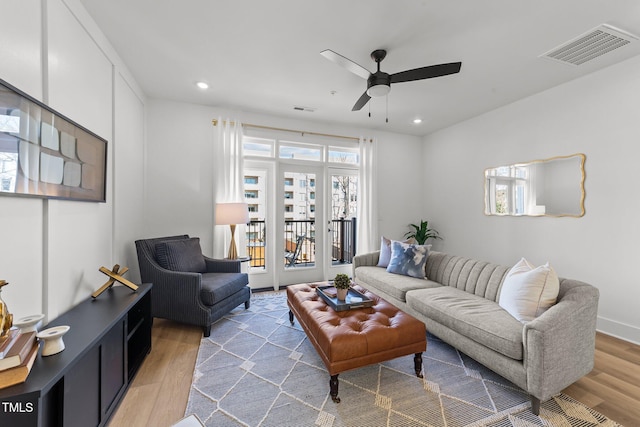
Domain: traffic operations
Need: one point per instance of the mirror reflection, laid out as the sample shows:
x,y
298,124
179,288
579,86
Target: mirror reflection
x,y
547,187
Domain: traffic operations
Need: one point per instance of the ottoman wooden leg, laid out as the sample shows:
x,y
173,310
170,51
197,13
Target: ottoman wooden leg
x,y
291,316
333,387
417,364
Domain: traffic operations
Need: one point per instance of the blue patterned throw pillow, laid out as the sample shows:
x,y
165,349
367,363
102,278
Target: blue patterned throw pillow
x,y
408,259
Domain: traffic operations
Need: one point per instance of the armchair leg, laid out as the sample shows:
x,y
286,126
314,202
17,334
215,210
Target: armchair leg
x,y
535,405
207,330
247,304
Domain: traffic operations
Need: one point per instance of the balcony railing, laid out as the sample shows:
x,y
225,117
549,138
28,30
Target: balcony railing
x,y
343,242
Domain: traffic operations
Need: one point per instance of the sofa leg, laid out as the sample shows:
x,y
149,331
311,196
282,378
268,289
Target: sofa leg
x,y
247,304
207,330
535,405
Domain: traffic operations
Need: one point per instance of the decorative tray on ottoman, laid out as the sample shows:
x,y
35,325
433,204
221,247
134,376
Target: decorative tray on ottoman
x,y
353,300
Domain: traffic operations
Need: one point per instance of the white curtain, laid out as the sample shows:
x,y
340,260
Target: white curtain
x,y
229,182
368,239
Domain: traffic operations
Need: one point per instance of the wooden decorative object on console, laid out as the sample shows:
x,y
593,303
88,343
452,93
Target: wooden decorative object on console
x,y
115,275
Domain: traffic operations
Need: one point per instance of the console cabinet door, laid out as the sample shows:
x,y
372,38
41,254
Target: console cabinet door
x,y
112,370
81,403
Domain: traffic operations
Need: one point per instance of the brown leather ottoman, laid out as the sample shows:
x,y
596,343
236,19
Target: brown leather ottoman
x,y
353,338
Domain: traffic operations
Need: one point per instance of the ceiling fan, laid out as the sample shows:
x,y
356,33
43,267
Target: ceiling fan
x,y
379,83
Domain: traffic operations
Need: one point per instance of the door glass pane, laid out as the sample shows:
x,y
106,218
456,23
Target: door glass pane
x,y
299,219
344,200
255,195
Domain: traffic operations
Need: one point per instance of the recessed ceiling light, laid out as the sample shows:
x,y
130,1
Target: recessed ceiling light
x,y
202,85
417,121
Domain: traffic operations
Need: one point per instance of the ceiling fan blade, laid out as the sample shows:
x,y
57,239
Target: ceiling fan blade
x,y
361,102
346,63
426,72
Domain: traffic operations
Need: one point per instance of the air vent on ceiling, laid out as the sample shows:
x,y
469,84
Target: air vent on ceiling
x,y
591,45
307,109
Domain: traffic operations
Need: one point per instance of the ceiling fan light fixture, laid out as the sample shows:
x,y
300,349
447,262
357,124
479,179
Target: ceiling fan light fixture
x,y
378,90
202,85
417,121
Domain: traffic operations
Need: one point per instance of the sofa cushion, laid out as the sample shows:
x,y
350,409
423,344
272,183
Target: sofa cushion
x,y
181,255
218,286
477,318
529,291
408,259
395,285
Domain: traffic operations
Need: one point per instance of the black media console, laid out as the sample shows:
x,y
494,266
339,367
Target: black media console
x,y
81,386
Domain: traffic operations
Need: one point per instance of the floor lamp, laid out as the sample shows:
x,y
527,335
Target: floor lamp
x,y
232,214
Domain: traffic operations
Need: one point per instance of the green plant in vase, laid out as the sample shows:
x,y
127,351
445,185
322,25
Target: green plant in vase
x,y
422,232
342,284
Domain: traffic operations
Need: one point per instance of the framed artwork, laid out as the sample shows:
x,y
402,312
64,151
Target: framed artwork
x,y
45,154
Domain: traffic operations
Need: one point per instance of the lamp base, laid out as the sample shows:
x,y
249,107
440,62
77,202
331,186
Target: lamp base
x,y
233,251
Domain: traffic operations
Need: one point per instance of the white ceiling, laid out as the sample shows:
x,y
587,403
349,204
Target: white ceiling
x,y
264,55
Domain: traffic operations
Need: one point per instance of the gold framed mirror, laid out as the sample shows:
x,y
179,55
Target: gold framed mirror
x,y
545,187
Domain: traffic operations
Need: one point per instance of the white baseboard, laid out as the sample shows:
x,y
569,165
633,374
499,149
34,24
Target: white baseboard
x,y
619,330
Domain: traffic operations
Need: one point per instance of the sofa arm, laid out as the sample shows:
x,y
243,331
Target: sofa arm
x,y
222,265
368,259
559,345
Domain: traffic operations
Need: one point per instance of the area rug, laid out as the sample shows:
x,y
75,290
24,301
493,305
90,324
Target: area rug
x,y
256,369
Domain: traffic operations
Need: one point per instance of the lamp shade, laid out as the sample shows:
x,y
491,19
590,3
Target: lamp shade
x,y
232,213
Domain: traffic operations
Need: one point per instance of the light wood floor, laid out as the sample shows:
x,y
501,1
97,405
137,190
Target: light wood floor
x,y
158,395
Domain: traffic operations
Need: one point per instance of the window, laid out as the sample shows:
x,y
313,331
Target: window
x,y
251,194
303,183
300,151
343,155
288,181
312,195
250,179
288,208
260,147
253,208
508,190
288,194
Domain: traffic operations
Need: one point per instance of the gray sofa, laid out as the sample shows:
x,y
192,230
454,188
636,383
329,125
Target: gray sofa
x,y
458,302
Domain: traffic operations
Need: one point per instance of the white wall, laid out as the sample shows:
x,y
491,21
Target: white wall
x,y
179,194
51,249
596,115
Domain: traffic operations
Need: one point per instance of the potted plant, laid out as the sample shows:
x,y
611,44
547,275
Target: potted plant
x,y
342,283
422,232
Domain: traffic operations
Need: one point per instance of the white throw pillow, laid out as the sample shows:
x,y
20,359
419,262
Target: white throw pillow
x,y
529,291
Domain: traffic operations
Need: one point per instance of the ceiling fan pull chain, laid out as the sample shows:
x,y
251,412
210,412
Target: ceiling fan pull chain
x,y
387,113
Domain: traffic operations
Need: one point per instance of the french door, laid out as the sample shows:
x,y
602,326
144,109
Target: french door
x,y
302,221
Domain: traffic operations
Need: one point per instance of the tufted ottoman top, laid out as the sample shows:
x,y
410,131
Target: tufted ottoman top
x,y
354,338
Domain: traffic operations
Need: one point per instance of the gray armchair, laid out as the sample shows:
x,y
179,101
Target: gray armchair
x,y
187,286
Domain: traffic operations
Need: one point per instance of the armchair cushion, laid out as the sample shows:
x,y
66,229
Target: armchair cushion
x,y
181,255
218,286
